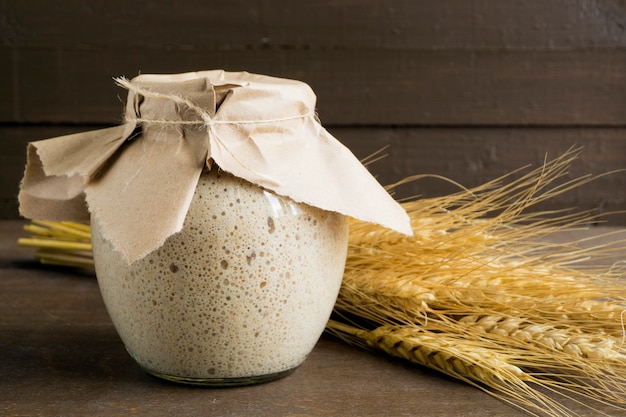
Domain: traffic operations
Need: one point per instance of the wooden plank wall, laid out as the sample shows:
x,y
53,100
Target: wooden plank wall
x,y
467,89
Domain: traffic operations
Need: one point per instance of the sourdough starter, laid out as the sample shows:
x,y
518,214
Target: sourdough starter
x,y
245,289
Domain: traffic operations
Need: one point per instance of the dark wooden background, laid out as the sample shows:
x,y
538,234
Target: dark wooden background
x,y
468,89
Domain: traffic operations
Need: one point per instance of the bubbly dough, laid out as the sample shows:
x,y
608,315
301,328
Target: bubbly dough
x,y
244,289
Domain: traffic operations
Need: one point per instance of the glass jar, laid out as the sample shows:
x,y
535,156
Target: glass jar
x,y
240,296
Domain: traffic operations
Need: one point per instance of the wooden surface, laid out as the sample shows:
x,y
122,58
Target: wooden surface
x,y
60,355
467,89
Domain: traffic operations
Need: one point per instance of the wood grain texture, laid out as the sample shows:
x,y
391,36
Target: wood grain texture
x,y
323,24
475,62
355,87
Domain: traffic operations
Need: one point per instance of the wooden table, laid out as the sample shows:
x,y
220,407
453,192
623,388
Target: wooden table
x,y
61,356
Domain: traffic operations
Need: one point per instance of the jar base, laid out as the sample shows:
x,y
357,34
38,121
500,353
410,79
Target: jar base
x,y
223,382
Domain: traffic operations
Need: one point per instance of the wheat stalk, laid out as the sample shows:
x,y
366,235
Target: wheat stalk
x,y
60,243
567,339
477,272
488,368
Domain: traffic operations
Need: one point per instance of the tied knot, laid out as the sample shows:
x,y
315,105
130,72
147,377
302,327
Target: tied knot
x,y
207,119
